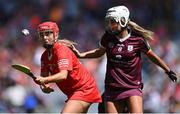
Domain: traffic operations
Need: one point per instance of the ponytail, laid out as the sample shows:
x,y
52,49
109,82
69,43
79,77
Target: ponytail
x,y
67,42
146,34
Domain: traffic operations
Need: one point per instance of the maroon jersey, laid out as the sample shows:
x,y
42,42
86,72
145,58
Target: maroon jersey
x,y
124,60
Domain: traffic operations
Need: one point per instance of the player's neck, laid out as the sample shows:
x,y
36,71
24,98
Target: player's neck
x,y
123,34
49,55
49,50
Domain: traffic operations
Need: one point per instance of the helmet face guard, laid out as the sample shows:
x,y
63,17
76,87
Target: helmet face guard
x,y
108,27
119,14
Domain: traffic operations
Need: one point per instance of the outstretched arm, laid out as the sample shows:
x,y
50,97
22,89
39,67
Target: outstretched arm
x,y
158,61
43,81
62,75
90,54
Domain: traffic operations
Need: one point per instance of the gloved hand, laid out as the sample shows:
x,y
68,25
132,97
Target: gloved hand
x,y
172,75
46,88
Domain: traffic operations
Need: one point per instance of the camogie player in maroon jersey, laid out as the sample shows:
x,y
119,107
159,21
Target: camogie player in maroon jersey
x,y
123,42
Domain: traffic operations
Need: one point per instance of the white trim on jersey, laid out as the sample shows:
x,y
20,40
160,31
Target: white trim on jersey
x,y
123,39
63,62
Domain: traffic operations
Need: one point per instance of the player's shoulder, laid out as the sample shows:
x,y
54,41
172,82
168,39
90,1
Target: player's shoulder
x,y
61,47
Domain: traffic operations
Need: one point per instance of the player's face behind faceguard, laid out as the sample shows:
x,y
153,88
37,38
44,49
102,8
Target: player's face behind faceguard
x,y
48,34
47,38
116,19
112,26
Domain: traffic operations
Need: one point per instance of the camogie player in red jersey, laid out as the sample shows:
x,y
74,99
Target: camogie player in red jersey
x,y
60,65
123,42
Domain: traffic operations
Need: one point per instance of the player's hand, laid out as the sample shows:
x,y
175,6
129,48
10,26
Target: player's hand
x,y
172,76
46,88
71,44
39,80
75,51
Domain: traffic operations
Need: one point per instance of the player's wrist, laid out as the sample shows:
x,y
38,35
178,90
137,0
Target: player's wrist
x,y
43,81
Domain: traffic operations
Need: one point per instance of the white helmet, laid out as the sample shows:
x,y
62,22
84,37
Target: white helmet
x,y
118,13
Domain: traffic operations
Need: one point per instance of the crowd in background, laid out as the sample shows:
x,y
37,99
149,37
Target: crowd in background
x,y
82,21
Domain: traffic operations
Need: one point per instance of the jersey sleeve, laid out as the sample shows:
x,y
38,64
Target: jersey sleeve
x,y
145,47
64,58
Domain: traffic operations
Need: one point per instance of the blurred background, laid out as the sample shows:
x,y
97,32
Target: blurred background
x,y
82,21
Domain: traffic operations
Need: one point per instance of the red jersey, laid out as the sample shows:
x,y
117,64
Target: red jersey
x,y
80,84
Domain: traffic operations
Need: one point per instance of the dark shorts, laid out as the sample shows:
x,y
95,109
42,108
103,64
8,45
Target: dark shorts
x,y
114,94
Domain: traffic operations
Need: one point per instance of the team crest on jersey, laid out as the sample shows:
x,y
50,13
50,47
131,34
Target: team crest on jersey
x,y
130,48
111,44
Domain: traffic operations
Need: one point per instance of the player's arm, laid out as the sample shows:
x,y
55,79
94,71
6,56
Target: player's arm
x,y
158,61
95,53
62,75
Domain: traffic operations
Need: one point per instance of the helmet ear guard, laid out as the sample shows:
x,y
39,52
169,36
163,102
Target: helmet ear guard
x,y
120,14
122,22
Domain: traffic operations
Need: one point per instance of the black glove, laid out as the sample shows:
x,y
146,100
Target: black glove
x,y
172,75
47,90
